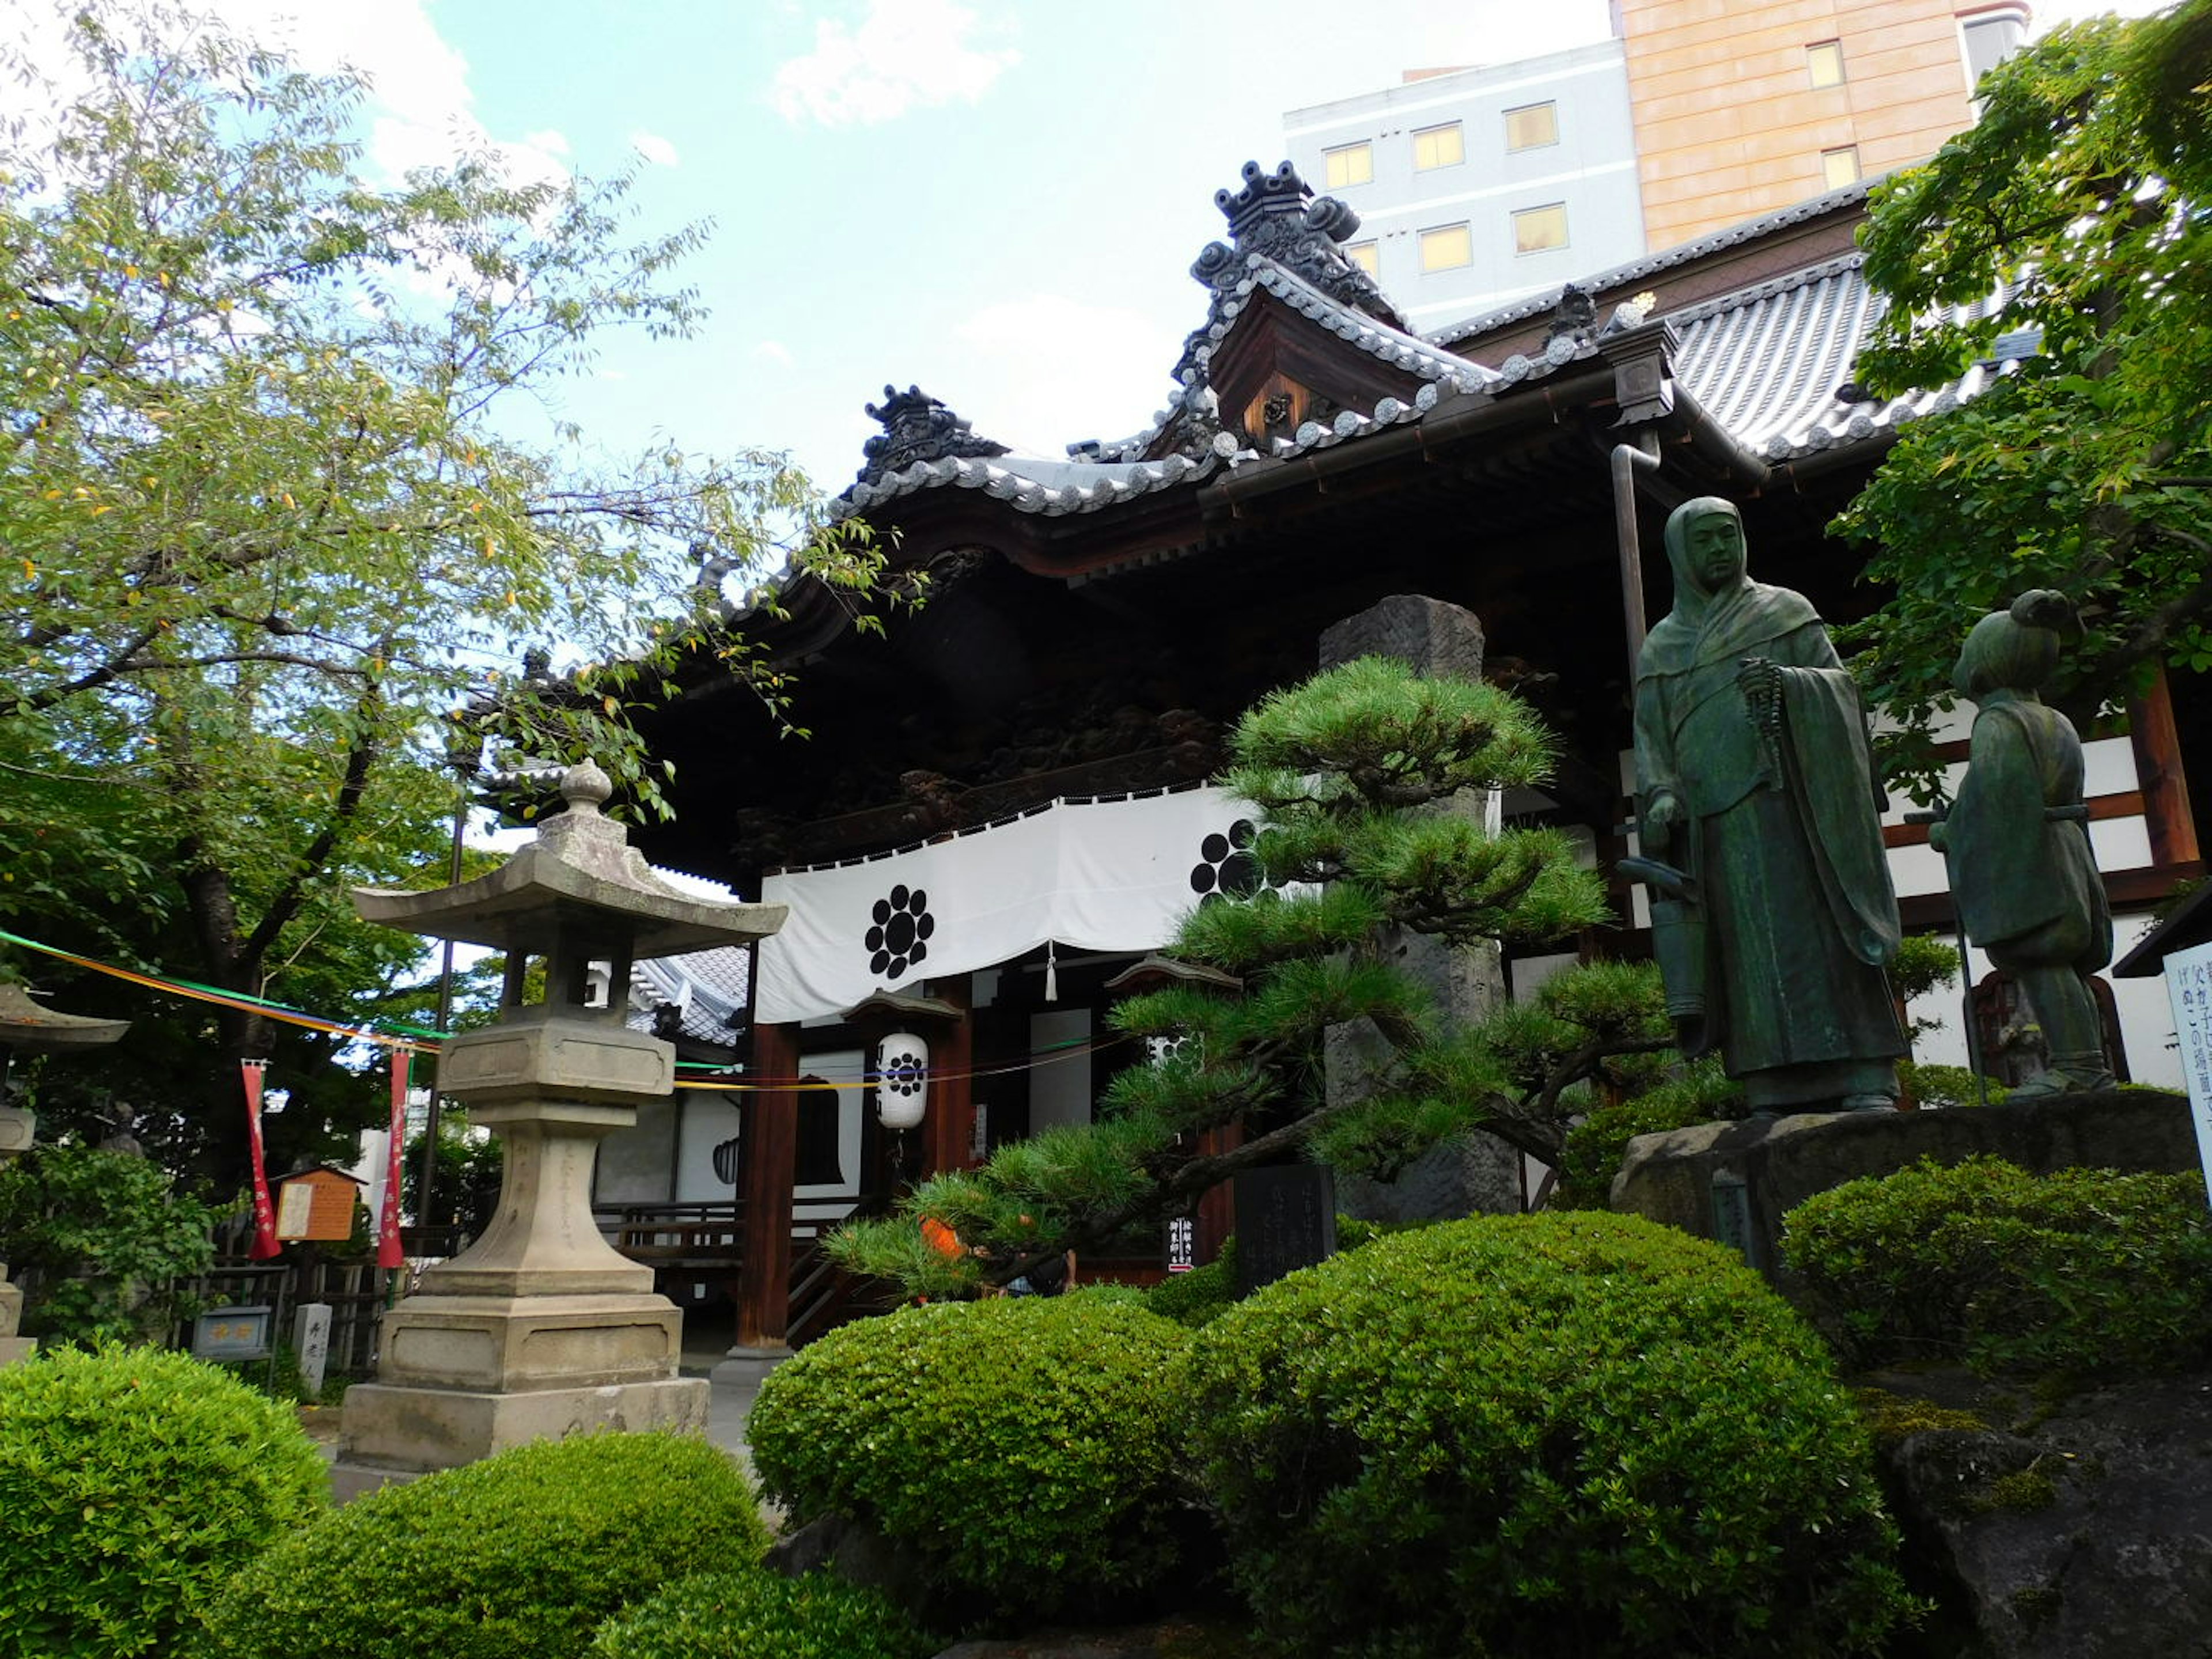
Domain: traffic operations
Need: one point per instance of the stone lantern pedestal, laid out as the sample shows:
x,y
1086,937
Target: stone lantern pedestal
x,y
541,1329
29,1027
16,1130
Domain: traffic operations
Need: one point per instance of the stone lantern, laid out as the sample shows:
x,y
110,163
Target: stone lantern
x,y
541,1329
28,1027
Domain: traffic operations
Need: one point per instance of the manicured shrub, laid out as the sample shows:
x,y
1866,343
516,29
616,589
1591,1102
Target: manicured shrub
x,y
1204,1293
132,1484
1021,1450
2080,1272
523,1553
753,1613
104,1239
1555,1433
1934,1088
1596,1146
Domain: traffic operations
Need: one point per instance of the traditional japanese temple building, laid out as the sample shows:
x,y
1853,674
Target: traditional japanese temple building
x,y
1002,805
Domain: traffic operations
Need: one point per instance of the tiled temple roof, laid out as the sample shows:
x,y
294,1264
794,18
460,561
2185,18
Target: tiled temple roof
x,y
1771,364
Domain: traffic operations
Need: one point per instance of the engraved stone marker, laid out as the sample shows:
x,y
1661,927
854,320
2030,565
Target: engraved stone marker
x,y
1285,1220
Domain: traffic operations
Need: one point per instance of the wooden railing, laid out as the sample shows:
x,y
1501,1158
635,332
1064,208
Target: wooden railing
x,y
688,1245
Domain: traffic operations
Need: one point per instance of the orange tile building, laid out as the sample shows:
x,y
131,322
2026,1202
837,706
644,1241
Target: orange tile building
x,y
1740,108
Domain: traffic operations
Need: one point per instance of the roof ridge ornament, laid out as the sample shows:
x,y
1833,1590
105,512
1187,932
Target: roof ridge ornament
x,y
918,427
1277,215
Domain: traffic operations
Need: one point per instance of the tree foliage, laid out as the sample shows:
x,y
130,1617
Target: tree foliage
x,y
283,484
2086,464
1355,775
104,1238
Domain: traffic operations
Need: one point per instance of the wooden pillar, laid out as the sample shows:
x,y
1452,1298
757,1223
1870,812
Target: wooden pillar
x,y
1216,1210
770,1154
2157,772
949,1131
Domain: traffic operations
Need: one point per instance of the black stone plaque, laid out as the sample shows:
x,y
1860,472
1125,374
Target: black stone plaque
x,y
1285,1220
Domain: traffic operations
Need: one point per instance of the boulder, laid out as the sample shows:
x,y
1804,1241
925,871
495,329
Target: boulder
x,y
2078,1531
1766,1167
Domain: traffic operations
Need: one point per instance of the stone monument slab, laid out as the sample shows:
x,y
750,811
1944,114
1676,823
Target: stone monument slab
x,y
1285,1220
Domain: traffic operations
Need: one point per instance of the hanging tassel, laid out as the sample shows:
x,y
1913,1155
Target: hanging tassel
x,y
1051,972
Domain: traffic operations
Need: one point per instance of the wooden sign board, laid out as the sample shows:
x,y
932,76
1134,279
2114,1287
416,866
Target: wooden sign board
x,y
318,1205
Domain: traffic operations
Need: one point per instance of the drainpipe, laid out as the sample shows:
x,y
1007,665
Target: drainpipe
x,y
1629,458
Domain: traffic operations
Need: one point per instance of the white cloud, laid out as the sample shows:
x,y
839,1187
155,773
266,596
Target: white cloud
x,y
654,147
904,53
774,350
1125,357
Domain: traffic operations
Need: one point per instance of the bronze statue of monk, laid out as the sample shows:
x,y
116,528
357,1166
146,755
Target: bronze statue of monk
x,y
1758,808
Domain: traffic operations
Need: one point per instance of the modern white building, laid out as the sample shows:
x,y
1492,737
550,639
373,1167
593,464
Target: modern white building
x,y
1478,186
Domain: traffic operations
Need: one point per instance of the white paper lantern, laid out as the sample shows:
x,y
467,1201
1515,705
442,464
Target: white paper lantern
x,y
901,1080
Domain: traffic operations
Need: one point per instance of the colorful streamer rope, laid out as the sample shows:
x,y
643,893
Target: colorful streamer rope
x,y
408,1039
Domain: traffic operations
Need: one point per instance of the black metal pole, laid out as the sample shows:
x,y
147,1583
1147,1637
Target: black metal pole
x,y
426,1185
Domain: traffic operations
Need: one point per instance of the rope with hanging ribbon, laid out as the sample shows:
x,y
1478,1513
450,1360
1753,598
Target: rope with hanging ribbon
x,y
411,1039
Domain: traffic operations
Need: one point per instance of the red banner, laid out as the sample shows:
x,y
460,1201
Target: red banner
x,y
389,1254
264,1213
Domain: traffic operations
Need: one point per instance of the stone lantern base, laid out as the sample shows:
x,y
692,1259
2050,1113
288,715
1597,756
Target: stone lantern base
x,y
540,1329
12,1346
464,1378
16,1128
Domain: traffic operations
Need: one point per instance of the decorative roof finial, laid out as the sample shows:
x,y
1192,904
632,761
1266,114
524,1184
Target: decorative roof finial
x,y
918,427
1277,215
586,787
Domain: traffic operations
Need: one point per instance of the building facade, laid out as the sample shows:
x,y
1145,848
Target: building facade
x,y
1475,187
1741,109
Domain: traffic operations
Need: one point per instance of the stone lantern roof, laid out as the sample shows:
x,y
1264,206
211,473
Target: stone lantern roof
x,y
29,1027
579,874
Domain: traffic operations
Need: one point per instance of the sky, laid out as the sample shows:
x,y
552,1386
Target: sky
x,y
997,200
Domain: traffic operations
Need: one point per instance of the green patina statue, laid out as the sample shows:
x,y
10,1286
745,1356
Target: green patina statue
x,y
1774,916
2022,870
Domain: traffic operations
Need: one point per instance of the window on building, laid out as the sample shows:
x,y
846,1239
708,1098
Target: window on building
x,y
1447,245
1365,256
1840,167
1537,228
1439,146
1823,63
1988,39
1349,164
1532,126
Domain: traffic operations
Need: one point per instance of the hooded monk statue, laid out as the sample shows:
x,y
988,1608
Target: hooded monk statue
x,y
2018,839
1774,917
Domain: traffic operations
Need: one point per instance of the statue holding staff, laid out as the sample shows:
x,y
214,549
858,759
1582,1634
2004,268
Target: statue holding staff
x,y
1774,916
2017,839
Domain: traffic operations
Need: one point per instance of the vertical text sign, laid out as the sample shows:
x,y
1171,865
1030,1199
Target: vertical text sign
x,y
2188,984
311,1340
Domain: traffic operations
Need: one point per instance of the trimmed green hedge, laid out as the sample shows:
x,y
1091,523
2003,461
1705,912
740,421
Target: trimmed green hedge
x,y
1596,1146
1571,1433
526,1552
133,1483
1021,1449
2082,1271
753,1613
